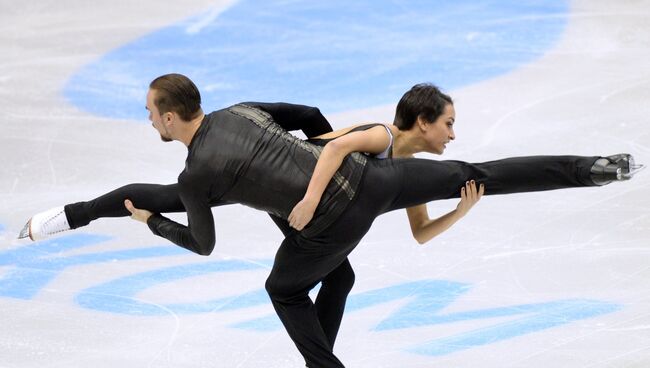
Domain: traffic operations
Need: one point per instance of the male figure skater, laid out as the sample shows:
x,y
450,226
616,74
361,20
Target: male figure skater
x,y
240,155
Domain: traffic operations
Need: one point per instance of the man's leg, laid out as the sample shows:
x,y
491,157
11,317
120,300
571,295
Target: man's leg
x,y
301,263
330,302
299,266
333,293
424,181
387,185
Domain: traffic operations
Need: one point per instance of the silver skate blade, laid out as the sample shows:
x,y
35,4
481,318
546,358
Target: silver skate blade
x,y
24,233
634,169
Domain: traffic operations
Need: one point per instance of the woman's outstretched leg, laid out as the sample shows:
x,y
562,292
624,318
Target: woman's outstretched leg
x,y
153,197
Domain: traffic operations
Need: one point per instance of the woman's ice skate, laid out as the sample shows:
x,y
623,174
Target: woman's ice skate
x,y
45,224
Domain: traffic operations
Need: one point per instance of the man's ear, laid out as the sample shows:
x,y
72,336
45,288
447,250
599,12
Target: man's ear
x,y
168,118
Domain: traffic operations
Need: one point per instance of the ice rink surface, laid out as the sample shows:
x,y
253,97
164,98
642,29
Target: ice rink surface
x,y
555,279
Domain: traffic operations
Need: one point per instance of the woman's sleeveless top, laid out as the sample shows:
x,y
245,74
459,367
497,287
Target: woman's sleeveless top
x,y
387,153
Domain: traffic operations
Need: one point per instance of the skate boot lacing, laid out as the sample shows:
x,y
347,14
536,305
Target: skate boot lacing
x,y
55,224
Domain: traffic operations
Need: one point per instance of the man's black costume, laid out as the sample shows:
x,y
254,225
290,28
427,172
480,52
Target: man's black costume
x,y
241,155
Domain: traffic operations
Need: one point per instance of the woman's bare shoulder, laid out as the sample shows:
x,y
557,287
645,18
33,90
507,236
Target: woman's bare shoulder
x,y
340,132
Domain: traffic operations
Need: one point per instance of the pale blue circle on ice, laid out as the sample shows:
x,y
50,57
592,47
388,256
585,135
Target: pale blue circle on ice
x,y
337,55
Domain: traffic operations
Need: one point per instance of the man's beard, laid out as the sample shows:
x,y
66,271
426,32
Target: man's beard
x,y
165,139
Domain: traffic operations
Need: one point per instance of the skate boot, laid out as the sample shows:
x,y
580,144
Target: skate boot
x,y
614,168
45,224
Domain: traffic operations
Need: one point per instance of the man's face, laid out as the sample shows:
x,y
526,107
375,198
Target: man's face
x,y
157,120
441,131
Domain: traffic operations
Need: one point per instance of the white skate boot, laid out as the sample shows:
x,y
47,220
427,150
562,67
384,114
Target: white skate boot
x,y
45,224
614,168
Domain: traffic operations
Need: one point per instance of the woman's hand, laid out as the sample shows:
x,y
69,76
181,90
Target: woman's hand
x,y
136,213
469,195
302,213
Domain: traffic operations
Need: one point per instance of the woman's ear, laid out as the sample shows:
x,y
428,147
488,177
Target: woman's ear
x,y
422,124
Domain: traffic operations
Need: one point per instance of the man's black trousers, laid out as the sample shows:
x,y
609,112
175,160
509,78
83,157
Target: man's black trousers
x,y
301,262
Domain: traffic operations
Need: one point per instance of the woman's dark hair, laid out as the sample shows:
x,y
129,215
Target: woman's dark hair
x,y
177,93
424,100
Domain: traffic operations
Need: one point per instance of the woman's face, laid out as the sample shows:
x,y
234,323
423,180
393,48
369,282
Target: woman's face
x,y
440,132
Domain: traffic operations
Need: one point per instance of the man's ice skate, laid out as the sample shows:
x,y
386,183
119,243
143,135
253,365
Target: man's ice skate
x,y
614,168
45,224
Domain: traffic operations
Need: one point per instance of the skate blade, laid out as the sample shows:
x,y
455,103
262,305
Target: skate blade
x,y
24,233
634,169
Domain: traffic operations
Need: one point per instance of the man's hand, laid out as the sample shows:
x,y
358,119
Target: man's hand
x,y
469,195
302,213
136,213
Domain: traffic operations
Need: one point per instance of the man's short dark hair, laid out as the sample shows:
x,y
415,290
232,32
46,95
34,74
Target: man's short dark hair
x,y
177,93
423,100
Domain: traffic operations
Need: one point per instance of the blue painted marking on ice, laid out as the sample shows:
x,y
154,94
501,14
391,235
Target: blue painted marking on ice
x,y
34,266
427,299
120,295
430,296
337,55
267,323
537,317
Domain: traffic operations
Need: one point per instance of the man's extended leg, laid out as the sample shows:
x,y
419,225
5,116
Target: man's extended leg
x,y
387,185
423,181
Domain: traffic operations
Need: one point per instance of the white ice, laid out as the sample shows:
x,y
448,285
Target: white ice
x,y
588,95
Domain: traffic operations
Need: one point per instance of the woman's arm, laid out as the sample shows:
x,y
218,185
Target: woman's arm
x,y
425,229
373,140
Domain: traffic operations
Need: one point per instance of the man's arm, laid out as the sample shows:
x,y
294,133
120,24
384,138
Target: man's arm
x,y
296,117
198,236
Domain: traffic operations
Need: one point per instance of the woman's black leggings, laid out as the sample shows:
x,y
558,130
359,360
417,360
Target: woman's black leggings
x,y
157,198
